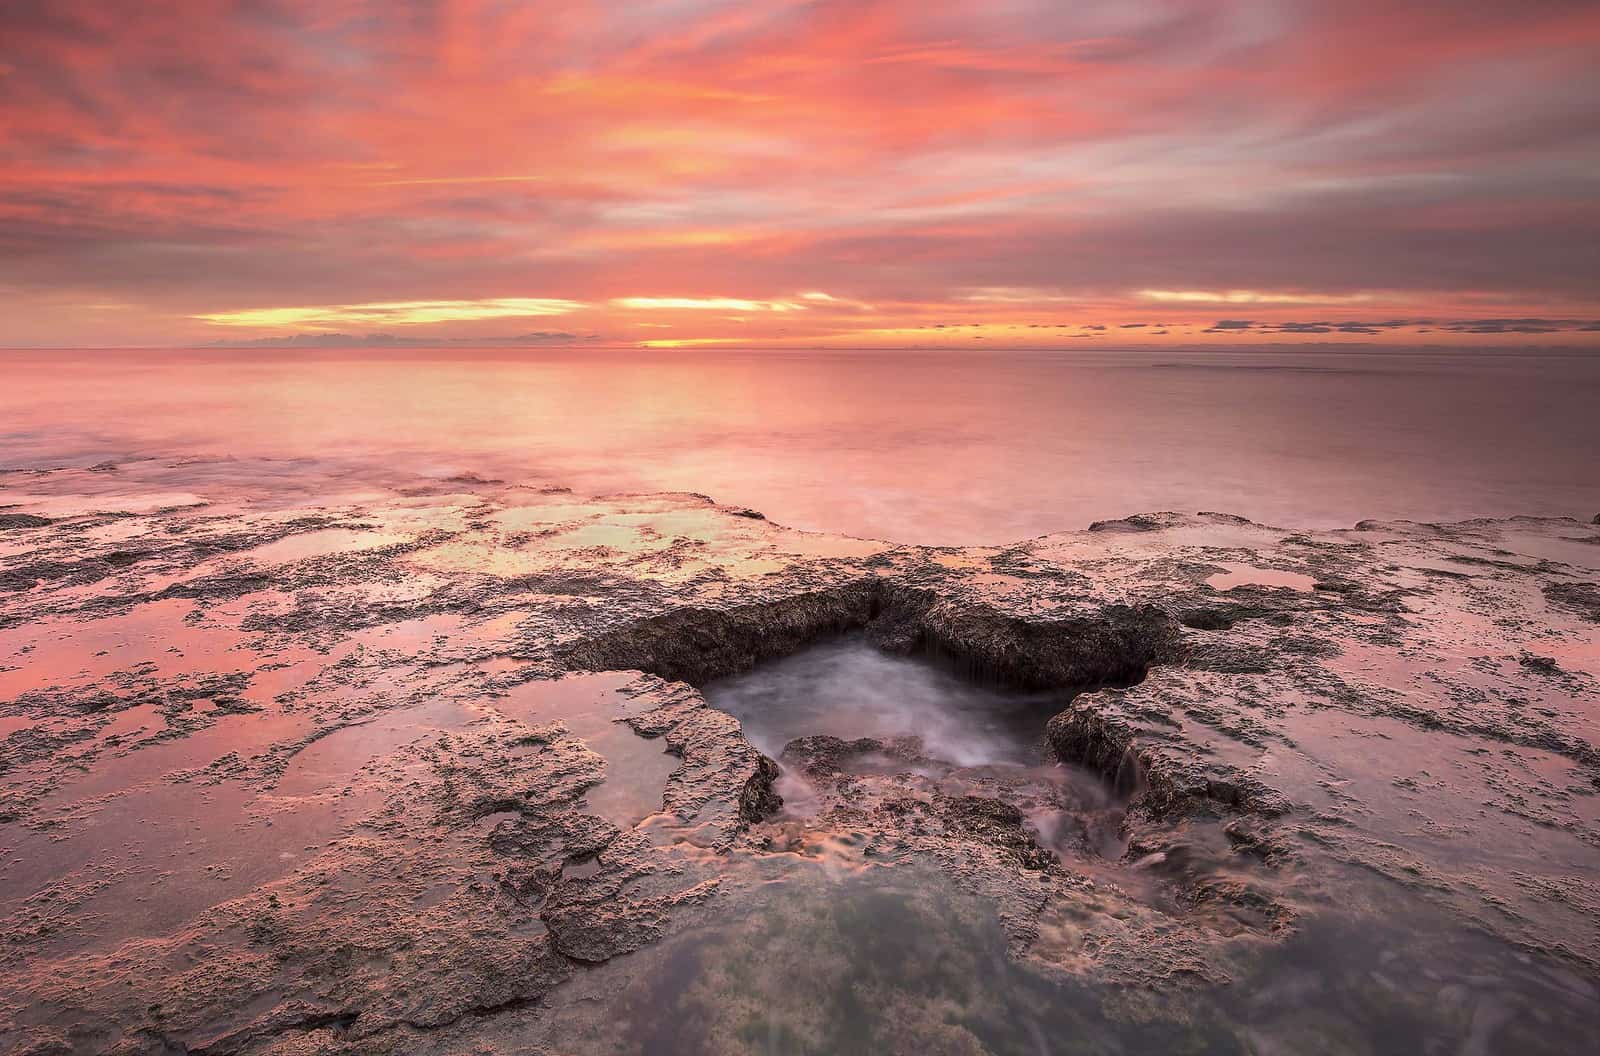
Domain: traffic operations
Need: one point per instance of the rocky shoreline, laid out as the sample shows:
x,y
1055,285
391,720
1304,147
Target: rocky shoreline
x,y
310,777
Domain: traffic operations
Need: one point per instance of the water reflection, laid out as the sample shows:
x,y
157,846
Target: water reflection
x,y
590,707
913,447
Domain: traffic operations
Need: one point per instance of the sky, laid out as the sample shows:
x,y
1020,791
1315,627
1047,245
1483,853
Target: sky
x,y
905,173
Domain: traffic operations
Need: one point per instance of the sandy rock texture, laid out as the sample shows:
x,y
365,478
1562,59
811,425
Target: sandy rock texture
x,y
430,770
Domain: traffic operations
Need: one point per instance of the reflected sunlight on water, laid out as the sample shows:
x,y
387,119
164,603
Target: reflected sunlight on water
x,y
914,447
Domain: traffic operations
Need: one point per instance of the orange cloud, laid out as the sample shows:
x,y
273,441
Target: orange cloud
x,y
1026,166
701,304
397,313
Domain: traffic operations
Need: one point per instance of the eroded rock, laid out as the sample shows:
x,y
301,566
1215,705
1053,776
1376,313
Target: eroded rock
x,y
262,789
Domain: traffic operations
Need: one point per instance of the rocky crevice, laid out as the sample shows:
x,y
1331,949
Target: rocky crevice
x,y
1094,736
1116,644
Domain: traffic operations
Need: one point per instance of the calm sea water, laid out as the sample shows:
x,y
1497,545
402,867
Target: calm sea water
x,y
915,447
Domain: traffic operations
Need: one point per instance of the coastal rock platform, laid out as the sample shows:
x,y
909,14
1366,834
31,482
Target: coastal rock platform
x,y
430,769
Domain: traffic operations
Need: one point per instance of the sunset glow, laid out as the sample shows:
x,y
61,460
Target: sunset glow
x,y
188,172
400,313
799,527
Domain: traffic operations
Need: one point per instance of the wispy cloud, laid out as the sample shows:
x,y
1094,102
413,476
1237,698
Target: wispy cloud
x,y
822,171
1253,297
536,338
393,313
425,181
704,304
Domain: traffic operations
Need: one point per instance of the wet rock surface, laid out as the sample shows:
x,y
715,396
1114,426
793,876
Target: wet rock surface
x,y
362,772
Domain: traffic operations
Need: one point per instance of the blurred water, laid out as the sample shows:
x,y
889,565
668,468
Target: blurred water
x,y
917,447
848,689
900,961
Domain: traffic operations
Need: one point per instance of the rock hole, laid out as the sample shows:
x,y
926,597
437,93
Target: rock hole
x,y
852,726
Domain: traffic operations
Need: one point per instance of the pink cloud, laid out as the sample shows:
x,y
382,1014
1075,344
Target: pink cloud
x,y
195,158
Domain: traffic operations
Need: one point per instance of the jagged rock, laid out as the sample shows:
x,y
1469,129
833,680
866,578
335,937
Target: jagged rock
x,y
395,858
1581,598
758,800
